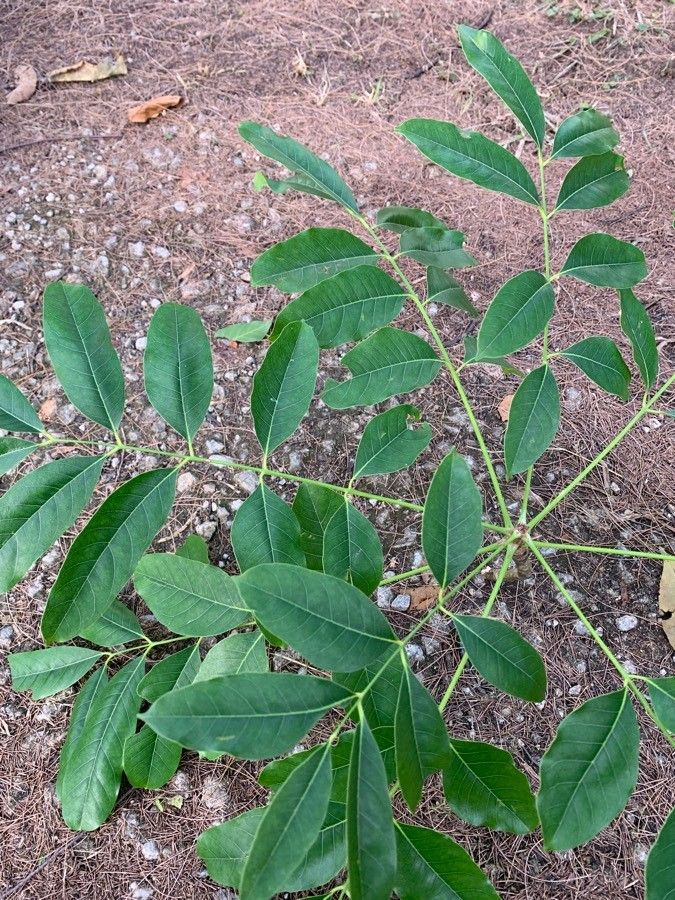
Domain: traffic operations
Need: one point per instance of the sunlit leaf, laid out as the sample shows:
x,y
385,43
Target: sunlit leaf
x,y
593,182
401,218
116,626
16,413
533,420
234,655
519,312
637,327
150,761
659,869
605,261
245,332
46,672
194,547
13,451
443,288
352,549
389,443
586,133
662,693
174,671
601,360
265,530
314,506
80,714
438,247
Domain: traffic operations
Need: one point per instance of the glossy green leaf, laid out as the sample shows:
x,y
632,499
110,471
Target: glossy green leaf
x,y
16,413
352,549
330,623
80,714
314,506
387,363
93,773
443,288
438,247
389,444
483,786
659,869
401,218
251,716
38,508
13,451
174,671
235,655
150,761
265,530
431,866
260,181
662,693
600,359
81,352
471,155
371,842
276,772
589,771
533,420
471,356
519,312
178,368
586,133
46,672
637,327
346,307
116,626
309,257
502,656
103,556
315,175
245,332
593,182
605,261
194,547
452,530
284,384
507,78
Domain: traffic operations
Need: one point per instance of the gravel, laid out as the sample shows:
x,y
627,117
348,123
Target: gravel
x,y
626,623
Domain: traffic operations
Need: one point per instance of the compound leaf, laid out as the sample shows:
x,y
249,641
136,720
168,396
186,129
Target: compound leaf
x,y
533,420
389,444
85,701
438,247
352,549
637,327
265,530
443,288
605,261
116,626
245,332
659,869
519,312
593,182
314,506
13,451
601,360
174,671
235,655
586,133
16,413
150,761
401,218
46,672
662,693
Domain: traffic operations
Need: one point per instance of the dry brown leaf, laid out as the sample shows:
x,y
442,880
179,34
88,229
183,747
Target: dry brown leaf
x,y
48,410
667,601
86,71
152,108
26,83
423,597
504,407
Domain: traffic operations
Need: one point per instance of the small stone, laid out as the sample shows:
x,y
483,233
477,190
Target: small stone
x,y
294,461
384,597
150,850
180,206
401,602
206,530
137,249
415,654
626,623
139,892
141,343
6,636
575,690
213,446
101,265
247,481
186,482
67,414
431,645
161,252
214,795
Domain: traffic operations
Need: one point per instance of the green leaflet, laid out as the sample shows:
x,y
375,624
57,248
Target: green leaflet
x,y
388,444
194,547
452,530
276,772
662,693
483,786
586,133
438,247
189,597
178,369
593,182
589,771
637,327
605,261
387,363
150,761
245,332
502,656
315,176
235,655
443,288
470,155
93,772
251,716
601,360
103,556
16,413
265,530
507,78
284,384
433,867
533,420
330,623
520,311
470,357
13,451
659,870
309,257
314,506
116,626
38,508
174,671
400,218
46,672
346,307
352,549
81,352
80,714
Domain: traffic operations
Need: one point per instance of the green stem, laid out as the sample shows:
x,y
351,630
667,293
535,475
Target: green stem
x,y
411,573
604,551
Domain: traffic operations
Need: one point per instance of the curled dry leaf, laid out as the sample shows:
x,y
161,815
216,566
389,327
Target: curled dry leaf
x,y
48,409
86,71
504,407
667,601
26,83
423,597
153,108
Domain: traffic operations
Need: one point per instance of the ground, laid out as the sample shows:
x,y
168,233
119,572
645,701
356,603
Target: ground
x,y
166,211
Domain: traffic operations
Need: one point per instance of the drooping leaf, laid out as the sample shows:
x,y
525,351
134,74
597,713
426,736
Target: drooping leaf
x,y
235,655
387,363
533,420
174,671
314,506
586,133
245,332
85,701
659,869
265,530
251,716
284,384
600,359
443,288
188,597
519,312
637,327
315,176
589,771
507,78
16,413
662,693
13,451
401,218
330,623
178,368
605,261
502,656
103,556
471,356
484,787
346,307
81,352
276,772
452,530
438,247
46,672
38,508
389,444
93,773
471,155
352,549
116,626
150,761
309,257
194,547
593,182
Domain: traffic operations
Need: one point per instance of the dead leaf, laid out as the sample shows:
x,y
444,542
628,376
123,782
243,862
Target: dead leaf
x,y
424,597
667,601
86,71
152,108
299,66
504,407
26,83
48,410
